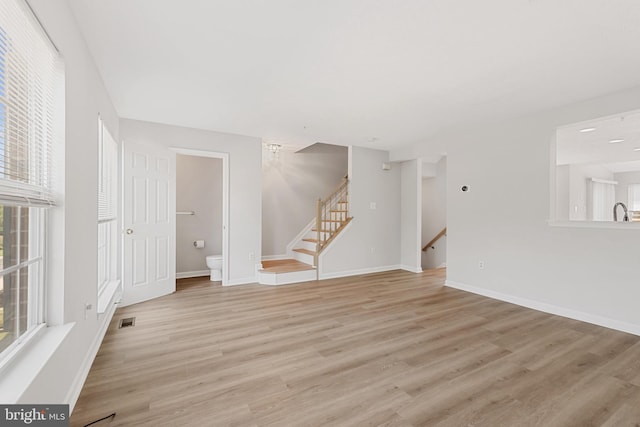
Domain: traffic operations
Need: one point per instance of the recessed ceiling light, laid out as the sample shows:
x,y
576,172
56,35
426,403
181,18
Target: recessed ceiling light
x,y
636,149
587,130
615,141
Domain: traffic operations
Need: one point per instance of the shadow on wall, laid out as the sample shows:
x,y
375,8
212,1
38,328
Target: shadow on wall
x,y
292,182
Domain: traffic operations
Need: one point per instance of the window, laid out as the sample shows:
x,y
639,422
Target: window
x,y
107,215
28,69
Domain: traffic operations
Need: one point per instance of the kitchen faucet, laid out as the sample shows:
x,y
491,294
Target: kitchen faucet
x,y
615,212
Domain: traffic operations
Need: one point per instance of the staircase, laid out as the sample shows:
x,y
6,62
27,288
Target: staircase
x,y
332,216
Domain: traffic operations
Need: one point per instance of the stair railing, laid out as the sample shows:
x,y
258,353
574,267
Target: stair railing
x,y
435,239
338,204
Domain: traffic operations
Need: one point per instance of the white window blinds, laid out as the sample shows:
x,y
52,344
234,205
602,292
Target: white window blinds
x,y
28,67
107,179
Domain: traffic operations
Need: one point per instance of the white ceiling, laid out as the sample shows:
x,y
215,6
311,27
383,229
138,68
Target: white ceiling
x,y
376,73
612,142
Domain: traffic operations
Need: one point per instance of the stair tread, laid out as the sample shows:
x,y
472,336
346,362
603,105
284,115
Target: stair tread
x,y
338,210
305,251
285,266
312,240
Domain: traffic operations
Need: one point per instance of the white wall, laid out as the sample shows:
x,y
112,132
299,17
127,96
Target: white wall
x,y
198,189
587,273
74,255
371,242
563,186
434,216
291,184
245,176
410,214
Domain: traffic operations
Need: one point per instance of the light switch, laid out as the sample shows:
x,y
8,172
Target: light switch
x,y
373,206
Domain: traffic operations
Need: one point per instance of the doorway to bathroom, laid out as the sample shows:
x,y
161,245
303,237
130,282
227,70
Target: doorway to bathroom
x,y
202,200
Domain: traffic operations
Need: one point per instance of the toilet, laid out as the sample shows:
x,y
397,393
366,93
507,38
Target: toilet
x,y
214,263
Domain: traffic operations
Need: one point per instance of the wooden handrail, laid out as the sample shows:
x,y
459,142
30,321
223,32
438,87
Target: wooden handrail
x,y
344,181
324,209
435,239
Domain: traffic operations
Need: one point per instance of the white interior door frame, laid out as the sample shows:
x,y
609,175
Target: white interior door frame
x,y
225,200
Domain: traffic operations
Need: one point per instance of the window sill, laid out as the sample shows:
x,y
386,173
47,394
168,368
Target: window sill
x,y
106,296
596,224
28,360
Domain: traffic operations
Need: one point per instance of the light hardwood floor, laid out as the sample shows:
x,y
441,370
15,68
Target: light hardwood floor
x,y
392,349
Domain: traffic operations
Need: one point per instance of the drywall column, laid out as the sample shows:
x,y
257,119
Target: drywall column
x,y
410,215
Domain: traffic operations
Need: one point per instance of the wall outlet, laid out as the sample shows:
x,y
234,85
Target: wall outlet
x,y
87,309
373,250
481,265
373,206
252,256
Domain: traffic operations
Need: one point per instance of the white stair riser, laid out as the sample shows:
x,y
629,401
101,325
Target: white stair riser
x,y
307,245
286,278
307,259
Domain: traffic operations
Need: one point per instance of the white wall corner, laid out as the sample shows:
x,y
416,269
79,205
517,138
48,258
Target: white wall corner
x,y
411,268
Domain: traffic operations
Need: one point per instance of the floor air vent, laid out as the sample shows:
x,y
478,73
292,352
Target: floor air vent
x,y
125,323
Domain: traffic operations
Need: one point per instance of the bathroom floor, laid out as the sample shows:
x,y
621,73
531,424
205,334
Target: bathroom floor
x,y
194,282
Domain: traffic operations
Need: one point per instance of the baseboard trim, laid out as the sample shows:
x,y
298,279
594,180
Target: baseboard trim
x,y
76,387
274,257
411,269
188,274
550,308
359,272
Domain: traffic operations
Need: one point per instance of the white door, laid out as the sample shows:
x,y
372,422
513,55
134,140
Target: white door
x,y
149,222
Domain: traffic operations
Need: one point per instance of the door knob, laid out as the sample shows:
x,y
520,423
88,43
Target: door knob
x,y
129,231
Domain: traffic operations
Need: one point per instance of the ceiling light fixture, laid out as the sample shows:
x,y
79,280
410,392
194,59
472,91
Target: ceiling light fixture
x,y
615,141
636,149
274,148
587,130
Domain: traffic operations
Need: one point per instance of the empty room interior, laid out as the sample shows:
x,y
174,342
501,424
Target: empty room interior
x,y
303,213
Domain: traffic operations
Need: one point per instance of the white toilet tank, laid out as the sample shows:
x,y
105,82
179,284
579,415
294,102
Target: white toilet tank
x,y
214,263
